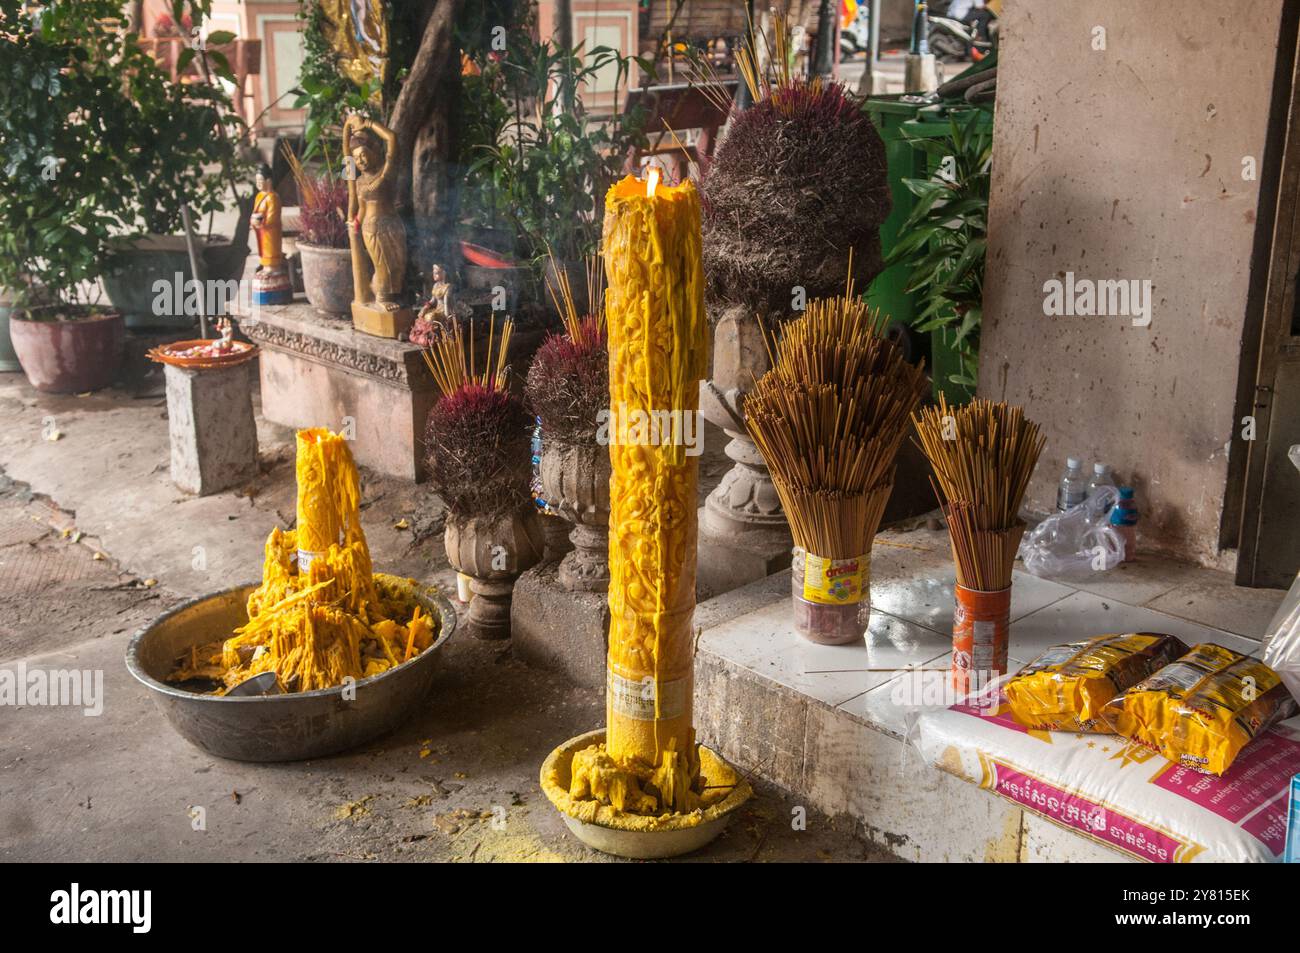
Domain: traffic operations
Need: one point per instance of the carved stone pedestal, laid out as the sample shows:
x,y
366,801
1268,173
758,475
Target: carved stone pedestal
x,y
317,371
744,534
210,421
576,480
493,552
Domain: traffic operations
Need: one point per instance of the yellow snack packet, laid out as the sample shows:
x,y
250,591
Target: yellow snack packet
x,y
1065,688
1201,710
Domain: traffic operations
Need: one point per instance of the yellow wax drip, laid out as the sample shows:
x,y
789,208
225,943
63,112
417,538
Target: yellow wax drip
x,y
318,620
658,352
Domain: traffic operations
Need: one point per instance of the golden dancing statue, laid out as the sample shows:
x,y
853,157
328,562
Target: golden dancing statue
x,y
376,233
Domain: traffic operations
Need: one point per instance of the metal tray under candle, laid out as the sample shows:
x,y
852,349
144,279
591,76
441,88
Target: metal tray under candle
x,y
287,727
671,840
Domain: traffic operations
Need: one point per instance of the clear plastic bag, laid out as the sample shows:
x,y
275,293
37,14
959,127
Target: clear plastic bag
x,y
1081,538
1282,644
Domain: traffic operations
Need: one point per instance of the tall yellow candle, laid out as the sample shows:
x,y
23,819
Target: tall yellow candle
x,y
657,357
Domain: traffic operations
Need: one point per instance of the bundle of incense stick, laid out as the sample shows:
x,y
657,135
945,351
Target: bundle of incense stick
x,y
983,455
575,324
453,365
829,418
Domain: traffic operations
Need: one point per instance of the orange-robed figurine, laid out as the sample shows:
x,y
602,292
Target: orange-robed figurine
x,y
271,280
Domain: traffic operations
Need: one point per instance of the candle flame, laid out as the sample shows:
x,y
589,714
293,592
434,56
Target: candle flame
x,y
651,181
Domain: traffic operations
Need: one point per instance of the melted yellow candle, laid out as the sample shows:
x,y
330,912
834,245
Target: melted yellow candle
x,y
657,356
321,614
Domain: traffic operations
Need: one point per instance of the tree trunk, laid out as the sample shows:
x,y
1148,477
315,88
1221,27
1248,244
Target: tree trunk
x,y
423,119
564,39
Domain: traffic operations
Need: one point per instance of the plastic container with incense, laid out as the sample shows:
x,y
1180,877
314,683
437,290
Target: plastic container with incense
x,y
829,418
983,455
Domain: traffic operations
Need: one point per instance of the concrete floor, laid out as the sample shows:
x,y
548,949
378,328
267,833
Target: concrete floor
x,y
95,541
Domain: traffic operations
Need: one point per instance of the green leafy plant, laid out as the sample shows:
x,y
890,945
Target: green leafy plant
x,y
97,143
323,89
534,165
943,241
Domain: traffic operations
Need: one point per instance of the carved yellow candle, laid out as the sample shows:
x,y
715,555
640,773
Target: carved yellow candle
x,y
320,520
657,356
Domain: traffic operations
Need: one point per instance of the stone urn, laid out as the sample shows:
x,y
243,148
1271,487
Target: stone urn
x,y
493,552
744,535
575,477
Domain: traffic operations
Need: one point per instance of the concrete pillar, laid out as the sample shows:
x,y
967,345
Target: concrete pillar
x,y
213,434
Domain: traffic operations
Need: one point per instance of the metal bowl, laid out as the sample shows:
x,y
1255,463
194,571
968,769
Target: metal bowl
x,y
290,727
670,840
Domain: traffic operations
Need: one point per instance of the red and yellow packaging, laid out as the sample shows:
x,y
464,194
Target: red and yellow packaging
x,y
1203,709
1065,688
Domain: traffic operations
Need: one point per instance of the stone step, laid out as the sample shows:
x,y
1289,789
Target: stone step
x,y
769,715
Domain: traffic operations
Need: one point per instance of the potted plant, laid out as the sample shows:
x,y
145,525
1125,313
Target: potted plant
x,y
10,301
568,388
98,144
477,442
180,149
537,164
323,237
943,243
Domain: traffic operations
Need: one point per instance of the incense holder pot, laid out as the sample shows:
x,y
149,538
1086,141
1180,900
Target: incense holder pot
x,y
575,478
327,278
493,551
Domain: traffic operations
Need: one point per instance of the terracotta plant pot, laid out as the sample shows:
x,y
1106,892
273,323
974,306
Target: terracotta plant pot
x,y
327,278
576,480
493,552
68,355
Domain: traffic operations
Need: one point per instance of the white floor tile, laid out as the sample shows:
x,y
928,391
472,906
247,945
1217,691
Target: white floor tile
x,y
893,705
929,600
833,688
750,638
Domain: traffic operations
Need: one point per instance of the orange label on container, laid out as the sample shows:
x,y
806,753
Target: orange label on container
x,y
980,629
835,582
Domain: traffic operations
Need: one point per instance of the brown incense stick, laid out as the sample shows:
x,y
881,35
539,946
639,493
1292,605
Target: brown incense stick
x,y
828,419
983,455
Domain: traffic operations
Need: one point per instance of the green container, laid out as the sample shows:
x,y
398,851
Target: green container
x,y
890,115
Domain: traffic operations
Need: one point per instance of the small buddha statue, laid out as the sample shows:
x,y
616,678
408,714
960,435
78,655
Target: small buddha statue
x,y
438,314
378,238
226,342
271,284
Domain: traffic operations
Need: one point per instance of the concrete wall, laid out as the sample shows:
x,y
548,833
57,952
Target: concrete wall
x,y
1127,163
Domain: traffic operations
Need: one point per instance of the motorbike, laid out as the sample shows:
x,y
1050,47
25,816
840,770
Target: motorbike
x,y
953,41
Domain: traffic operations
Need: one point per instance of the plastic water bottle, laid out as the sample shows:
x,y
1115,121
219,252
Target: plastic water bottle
x,y
1074,488
1124,517
539,496
1101,476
